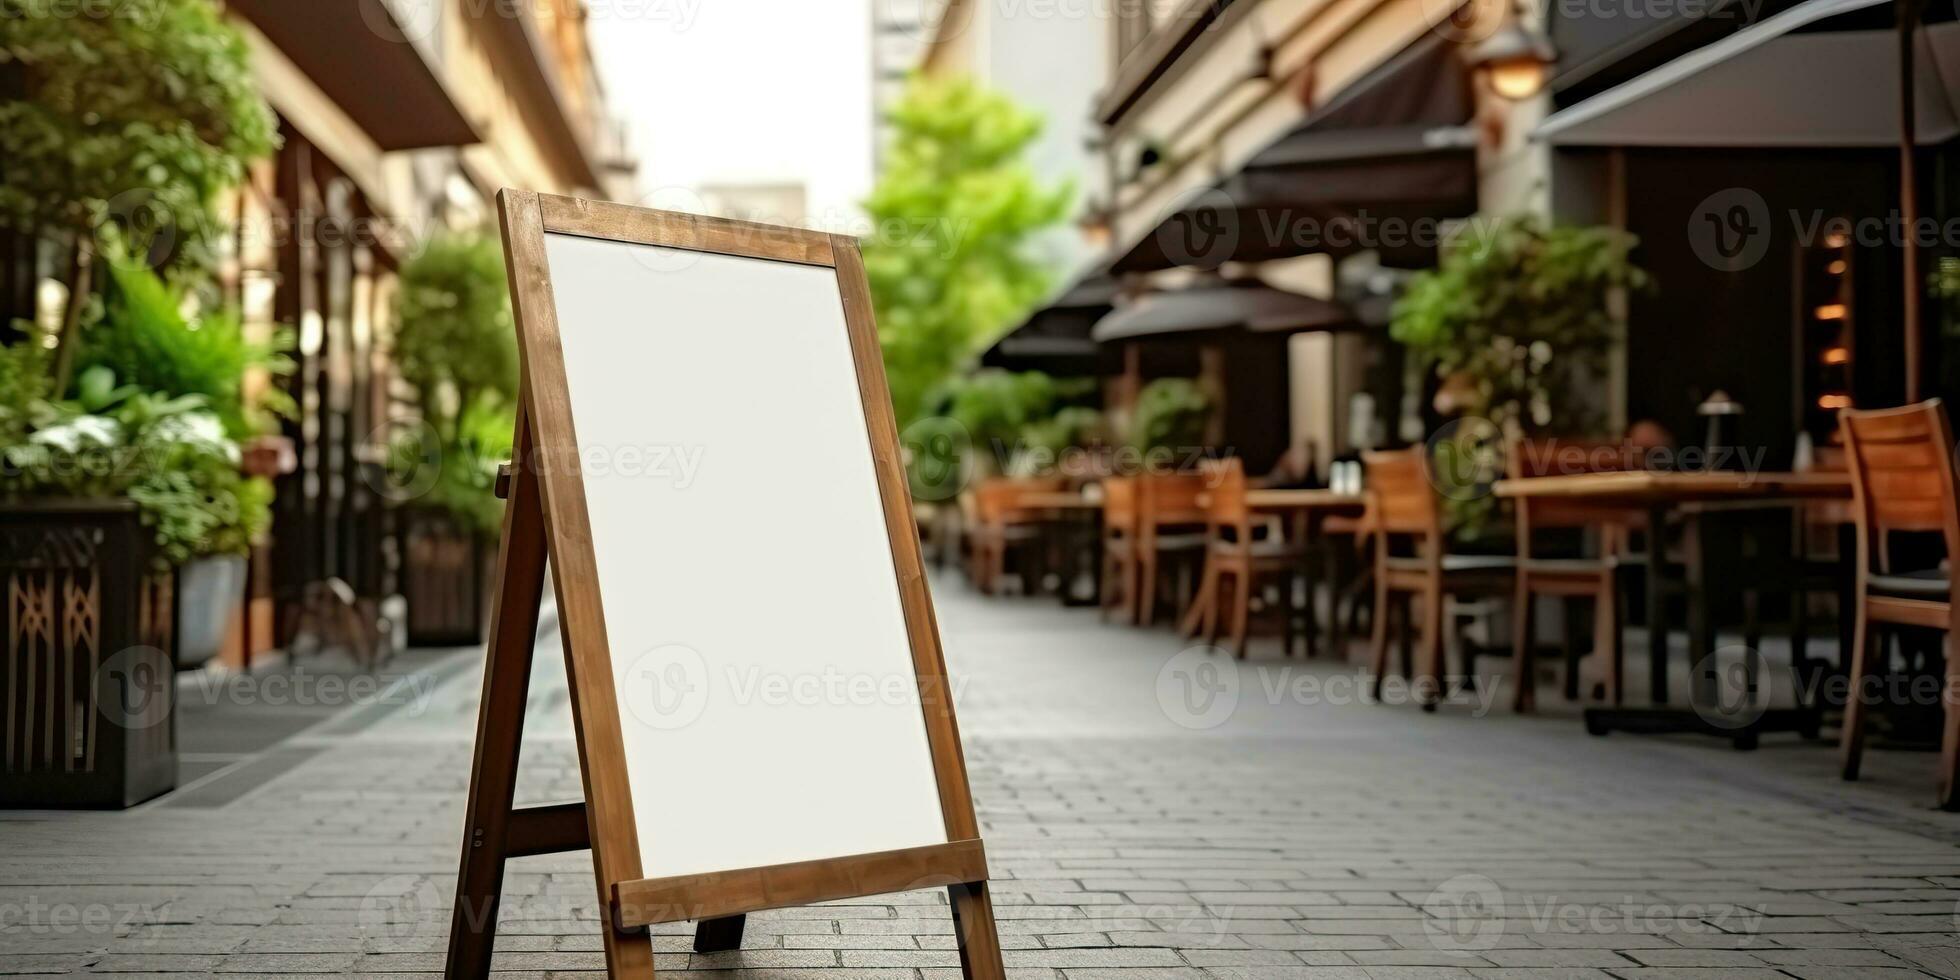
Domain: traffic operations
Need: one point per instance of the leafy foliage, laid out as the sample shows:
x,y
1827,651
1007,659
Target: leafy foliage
x,y
145,108
456,340
995,406
954,215
1005,412
169,454
146,339
457,346
1171,413
1521,312
1071,427
466,484
24,384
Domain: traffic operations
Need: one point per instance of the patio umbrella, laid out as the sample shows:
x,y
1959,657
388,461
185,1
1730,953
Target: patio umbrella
x,y
1394,150
1220,303
1055,337
1825,73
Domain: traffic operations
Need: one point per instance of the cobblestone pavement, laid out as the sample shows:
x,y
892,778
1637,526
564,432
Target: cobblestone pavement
x,y
1146,818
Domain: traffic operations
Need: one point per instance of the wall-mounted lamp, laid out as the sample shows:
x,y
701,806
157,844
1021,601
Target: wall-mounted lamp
x,y
1516,60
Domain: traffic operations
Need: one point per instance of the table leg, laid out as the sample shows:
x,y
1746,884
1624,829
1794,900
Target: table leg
x,y
1704,686
1657,603
1310,545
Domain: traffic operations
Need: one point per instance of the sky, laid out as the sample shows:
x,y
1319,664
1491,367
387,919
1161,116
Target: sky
x,y
723,91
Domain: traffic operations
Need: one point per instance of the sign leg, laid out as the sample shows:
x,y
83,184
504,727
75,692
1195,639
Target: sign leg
x,y
719,935
499,726
973,926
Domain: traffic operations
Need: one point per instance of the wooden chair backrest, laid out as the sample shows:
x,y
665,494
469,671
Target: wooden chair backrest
x,y
1901,474
1526,459
998,498
1119,504
1225,492
1169,498
1402,498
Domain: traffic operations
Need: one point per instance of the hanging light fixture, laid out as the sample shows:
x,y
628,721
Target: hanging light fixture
x,y
1516,60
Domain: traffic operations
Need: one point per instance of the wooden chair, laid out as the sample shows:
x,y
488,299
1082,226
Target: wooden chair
x,y
1902,480
1119,546
1594,577
1001,522
1169,532
1405,508
1236,552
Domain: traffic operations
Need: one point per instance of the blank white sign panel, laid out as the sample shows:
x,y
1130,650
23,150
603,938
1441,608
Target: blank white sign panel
x,y
767,694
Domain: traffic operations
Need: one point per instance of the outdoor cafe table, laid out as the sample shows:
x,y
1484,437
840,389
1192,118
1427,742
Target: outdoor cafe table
x,y
1693,496
1080,517
1308,509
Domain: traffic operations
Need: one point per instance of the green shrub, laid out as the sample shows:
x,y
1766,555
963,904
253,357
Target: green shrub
x,y
1523,311
171,455
456,343
146,108
145,338
1171,413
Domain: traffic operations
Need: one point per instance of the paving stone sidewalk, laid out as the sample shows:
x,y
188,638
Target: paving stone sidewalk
x,y
1150,813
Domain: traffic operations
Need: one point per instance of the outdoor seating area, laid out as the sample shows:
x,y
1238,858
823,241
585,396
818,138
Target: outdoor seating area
x,y
1595,546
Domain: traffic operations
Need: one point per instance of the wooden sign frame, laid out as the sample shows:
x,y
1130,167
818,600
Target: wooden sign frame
x,y
546,517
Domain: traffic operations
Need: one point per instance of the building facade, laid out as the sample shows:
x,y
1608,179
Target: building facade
x,y
398,120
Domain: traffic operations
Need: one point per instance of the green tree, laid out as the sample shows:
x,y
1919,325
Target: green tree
x,y
954,215
135,114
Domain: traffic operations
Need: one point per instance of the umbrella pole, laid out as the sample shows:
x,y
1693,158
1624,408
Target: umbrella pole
x,y
1908,23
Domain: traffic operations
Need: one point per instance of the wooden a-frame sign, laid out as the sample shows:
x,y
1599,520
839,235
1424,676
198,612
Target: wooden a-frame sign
x,y
549,516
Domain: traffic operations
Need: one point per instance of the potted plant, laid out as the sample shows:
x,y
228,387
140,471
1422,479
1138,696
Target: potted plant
x,y
456,345
1516,321
121,125
146,338
102,497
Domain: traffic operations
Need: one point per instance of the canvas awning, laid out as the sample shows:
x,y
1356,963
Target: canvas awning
x,y
1392,150
375,62
1821,74
1216,303
1056,337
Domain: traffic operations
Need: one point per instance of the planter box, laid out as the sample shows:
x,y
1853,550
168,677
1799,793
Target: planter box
x,y
447,571
88,693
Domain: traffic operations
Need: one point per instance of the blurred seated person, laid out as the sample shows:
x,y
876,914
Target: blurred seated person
x,y
1297,469
1649,434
